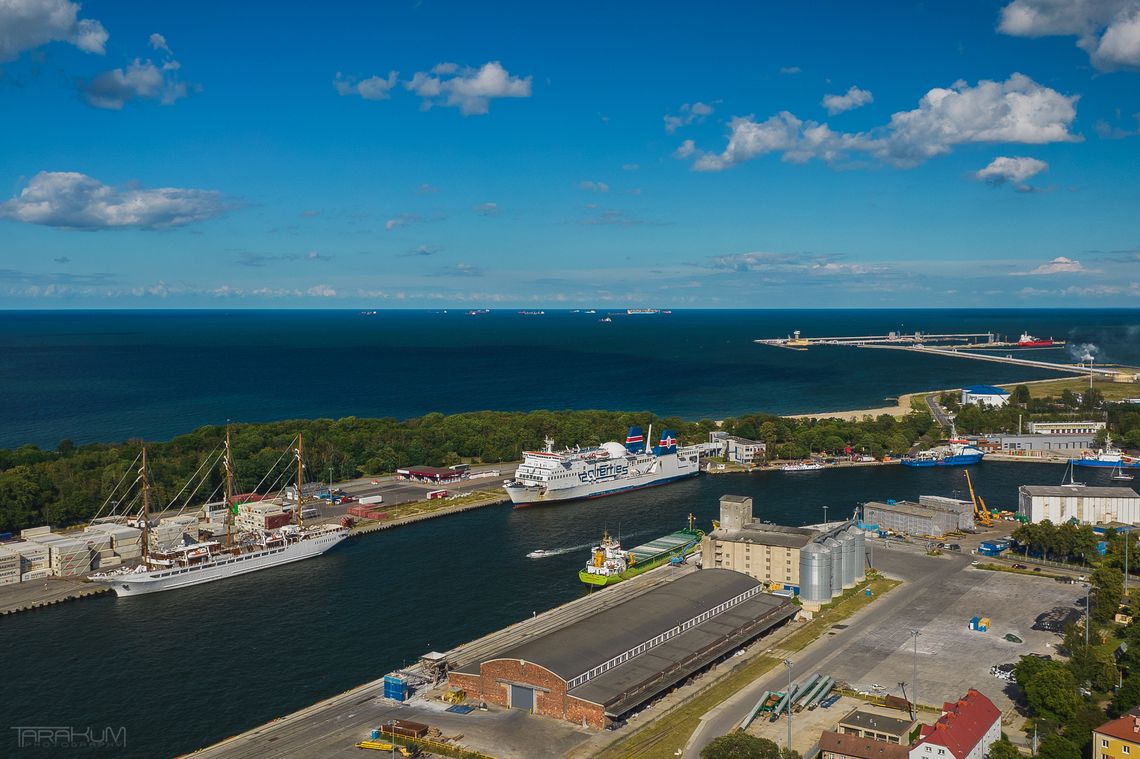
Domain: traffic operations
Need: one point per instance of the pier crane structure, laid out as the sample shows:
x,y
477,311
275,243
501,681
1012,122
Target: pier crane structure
x,y
981,513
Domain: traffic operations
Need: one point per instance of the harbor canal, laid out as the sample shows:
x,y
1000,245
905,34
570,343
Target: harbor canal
x,y
184,669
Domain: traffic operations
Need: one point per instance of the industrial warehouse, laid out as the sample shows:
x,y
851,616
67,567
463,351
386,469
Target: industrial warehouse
x,y
932,515
1087,505
597,669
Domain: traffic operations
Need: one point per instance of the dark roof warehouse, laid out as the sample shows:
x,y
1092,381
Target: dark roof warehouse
x,y
609,663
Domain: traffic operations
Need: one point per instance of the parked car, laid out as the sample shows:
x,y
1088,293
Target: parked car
x,y
1020,566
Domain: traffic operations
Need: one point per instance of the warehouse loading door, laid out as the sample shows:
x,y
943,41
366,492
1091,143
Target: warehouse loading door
x,y
522,698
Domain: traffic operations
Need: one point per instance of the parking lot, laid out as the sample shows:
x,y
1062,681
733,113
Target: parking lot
x,y
951,657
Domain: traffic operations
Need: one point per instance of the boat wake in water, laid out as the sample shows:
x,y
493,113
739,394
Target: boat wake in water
x,y
546,553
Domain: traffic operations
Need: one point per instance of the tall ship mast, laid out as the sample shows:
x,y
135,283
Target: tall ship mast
x,y
549,475
194,561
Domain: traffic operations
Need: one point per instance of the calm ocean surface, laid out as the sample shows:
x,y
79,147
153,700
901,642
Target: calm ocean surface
x,y
187,668
108,376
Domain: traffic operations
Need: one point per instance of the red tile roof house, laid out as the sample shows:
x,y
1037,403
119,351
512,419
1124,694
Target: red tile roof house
x,y
965,730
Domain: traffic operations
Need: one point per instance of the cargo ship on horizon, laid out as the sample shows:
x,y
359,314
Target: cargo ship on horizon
x,y
549,475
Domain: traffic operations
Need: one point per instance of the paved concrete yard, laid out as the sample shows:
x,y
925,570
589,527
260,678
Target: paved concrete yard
x,y
951,657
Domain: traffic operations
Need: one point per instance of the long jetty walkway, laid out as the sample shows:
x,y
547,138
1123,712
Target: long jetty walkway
x,y
1102,371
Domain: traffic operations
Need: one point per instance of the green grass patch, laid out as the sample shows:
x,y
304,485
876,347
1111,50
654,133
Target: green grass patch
x,y
660,738
1011,570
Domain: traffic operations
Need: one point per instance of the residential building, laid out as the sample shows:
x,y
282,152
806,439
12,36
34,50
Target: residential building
x,y
739,450
965,730
1118,738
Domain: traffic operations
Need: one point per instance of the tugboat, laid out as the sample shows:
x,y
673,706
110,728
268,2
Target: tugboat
x,y
1109,457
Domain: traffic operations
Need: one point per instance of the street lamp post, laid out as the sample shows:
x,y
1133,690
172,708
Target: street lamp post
x,y
1086,616
788,664
914,678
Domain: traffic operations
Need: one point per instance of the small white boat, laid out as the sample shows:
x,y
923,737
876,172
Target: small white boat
x,y
805,466
539,553
1120,475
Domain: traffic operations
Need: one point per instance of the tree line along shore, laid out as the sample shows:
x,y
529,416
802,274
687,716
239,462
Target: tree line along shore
x,y
68,485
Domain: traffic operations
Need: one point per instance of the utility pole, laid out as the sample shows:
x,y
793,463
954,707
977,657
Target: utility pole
x,y
1127,540
914,679
788,664
1086,616
825,516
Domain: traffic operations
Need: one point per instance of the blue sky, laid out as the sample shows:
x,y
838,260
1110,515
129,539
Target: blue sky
x,y
426,154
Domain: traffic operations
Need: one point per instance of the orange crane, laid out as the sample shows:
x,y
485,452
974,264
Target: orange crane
x,y
981,513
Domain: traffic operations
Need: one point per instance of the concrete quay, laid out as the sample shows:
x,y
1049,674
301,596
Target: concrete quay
x,y
331,728
36,594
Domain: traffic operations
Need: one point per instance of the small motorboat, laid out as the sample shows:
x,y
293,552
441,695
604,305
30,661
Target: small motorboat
x,y
539,554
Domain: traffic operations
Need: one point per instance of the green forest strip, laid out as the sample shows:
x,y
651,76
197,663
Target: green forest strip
x,y
68,485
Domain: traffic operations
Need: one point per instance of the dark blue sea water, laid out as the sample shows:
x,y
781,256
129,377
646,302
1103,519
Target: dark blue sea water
x,y
187,668
106,376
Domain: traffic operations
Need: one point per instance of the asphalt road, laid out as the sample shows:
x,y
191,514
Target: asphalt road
x,y
921,576
939,415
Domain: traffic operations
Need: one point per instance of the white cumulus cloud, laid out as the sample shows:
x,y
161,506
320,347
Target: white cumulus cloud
x,y
1018,110
1108,30
591,186
487,209
1005,169
372,88
690,114
1059,265
853,98
140,80
76,201
27,24
471,90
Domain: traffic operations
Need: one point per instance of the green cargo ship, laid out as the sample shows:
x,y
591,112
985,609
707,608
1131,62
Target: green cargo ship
x,y
609,564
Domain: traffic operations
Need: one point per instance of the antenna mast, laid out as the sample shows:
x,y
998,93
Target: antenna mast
x,y
230,505
146,510
300,475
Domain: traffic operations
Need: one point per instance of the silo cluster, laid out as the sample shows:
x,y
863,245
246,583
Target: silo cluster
x,y
831,563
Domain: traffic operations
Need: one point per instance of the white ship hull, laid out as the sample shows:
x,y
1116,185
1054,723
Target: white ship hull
x,y
138,583
668,468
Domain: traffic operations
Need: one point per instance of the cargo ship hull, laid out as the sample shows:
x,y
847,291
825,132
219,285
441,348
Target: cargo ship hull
x,y
959,460
680,544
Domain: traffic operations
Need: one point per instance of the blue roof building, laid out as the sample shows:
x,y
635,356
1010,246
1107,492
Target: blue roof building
x,y
985,395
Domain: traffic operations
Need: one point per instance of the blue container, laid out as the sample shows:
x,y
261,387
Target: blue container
x,y
375,735
867,592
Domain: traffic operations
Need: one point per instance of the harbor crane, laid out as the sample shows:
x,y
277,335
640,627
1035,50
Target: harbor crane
x,y
981,513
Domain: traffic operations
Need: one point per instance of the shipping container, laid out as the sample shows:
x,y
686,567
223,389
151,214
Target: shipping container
x,y
371,499
406,728
436,494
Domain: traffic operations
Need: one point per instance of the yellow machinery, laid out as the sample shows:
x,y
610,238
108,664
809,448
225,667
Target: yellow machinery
x,y
981,513
382,746
455,696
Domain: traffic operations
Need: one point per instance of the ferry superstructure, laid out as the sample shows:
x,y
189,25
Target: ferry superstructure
x,y
196,562
549,475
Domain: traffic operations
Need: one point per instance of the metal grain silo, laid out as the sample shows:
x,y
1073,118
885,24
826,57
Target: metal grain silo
x,y
860,537
815,573
848,547
836,549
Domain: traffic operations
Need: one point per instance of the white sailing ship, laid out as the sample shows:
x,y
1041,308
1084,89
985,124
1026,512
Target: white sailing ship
x,y
195,562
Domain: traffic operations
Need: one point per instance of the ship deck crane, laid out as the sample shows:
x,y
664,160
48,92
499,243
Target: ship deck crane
x,y
981,513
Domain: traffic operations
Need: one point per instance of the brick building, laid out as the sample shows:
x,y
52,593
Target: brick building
x,y
597,669
851,746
